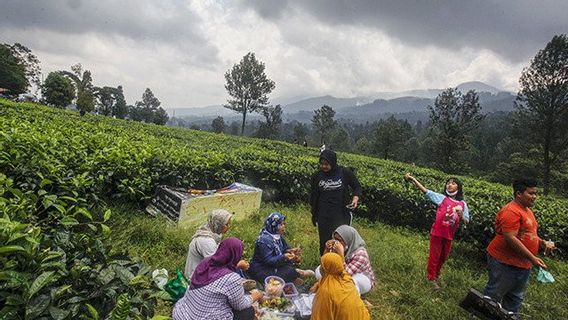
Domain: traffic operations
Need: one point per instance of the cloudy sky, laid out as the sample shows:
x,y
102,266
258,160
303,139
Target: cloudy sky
x,y
181,49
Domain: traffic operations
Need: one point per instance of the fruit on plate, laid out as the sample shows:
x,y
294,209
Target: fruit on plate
x,y
274,303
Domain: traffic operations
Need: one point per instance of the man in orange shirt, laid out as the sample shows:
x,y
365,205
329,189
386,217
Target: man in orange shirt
x,y
512,253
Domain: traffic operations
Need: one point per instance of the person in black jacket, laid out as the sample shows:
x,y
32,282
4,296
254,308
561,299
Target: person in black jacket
x,y
330,200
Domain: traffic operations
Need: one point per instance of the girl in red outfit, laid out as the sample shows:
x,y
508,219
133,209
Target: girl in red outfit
x,y
451,209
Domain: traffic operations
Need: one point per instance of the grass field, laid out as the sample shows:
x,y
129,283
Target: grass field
x,y
398,256
62,166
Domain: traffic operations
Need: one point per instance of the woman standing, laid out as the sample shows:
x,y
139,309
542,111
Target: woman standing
x,y
330,196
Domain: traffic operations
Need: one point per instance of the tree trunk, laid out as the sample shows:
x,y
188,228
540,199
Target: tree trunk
x,y
243,125
546,165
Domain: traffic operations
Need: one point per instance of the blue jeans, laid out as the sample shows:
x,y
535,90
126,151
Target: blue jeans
x,y
506,284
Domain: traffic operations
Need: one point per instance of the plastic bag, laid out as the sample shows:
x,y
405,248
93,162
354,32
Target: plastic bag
x,y
176,287
544,276
160,277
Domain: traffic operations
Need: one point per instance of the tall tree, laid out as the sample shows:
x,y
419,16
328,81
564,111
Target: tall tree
x,y
12,71
542,103
161,116
234,128
324,122
149,110
248,86
300,132
135,113
273,120
218,125
30,63
390,137
453,116
83,86
148,106
111,102
58,90
105,100
363,146
120,109
340,140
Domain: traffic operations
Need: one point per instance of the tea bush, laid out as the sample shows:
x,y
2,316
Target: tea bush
x,y
54,260
125,160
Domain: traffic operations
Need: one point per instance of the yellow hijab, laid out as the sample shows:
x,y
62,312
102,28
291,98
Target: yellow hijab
x,y
337,297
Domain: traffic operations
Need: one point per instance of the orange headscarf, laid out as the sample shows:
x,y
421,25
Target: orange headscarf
x,y
337,297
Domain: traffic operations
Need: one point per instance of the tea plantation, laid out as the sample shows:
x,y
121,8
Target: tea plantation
x,y
69,186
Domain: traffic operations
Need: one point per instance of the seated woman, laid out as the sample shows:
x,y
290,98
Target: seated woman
x,y
272,256
337,298
357,262
216,290
206,239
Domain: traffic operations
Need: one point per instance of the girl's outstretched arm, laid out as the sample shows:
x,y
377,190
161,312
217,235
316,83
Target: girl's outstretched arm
x,y
417,183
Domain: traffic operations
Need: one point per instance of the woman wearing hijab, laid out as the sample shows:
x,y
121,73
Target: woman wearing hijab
x,y
330,196
272,255
206,239
337,297
216,290
357,262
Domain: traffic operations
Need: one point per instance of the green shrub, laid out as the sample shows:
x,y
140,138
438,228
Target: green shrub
x,y
126,160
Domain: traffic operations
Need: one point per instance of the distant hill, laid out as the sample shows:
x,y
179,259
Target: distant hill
x,y
209,111
364,108
478,86
314,103
410,106
404,101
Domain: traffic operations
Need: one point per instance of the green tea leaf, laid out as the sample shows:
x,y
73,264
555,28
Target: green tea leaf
x,y
37,306
106,230
41,281
107,215
57,313
92,311
11,249
69,221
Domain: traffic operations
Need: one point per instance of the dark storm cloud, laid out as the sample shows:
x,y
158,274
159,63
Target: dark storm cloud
x,y
514,29
163,21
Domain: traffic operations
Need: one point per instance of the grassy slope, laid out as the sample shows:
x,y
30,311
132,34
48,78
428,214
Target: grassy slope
x,y
398,256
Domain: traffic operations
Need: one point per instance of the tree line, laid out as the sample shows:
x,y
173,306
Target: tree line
x,y
19,70
458,138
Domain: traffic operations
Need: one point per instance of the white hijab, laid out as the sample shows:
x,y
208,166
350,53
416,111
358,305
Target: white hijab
x,y
216,220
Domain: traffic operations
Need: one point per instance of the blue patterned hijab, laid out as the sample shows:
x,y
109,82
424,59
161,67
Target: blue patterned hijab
x,y
273,221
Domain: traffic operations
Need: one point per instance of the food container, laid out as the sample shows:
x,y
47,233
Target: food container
x,y
273,286
249,285
290,290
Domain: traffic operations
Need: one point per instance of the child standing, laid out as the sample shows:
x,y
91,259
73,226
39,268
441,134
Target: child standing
x,y
451,209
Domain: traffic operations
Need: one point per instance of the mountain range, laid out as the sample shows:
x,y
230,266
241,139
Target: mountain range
x,y
411,105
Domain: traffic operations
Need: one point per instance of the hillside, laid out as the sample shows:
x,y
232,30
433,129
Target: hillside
x,y
411,105
502,101
56,160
